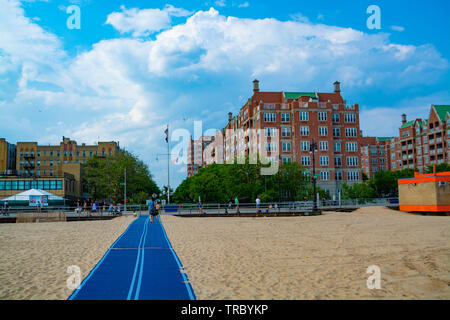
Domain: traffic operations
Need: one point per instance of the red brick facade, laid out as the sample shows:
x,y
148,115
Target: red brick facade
x,y
299,118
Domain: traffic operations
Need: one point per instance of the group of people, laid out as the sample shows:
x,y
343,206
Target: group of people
x,y
92,207
153,209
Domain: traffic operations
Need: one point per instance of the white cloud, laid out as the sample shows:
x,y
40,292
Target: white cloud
x,y
127,89
221,3
146,21
398,28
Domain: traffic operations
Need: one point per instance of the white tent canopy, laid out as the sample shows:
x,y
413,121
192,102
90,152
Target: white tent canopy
x,y
25,196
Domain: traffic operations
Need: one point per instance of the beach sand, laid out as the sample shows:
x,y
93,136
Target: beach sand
x,y
324,257
34,257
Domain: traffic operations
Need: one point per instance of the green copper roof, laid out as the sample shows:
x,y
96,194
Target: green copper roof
x,y
408,124
384,138
296,95
442,111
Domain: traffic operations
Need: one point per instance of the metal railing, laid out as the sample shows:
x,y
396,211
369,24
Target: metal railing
x,y
73,211
283,207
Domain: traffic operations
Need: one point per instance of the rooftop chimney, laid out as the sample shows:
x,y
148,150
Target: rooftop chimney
x,y
230,116
403,118
337,87
255,86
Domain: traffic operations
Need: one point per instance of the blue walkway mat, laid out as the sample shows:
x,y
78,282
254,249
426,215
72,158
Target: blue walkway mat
x,y
140,265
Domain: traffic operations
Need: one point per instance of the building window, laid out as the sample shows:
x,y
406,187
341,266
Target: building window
x,y
352,161
306,161
270,132
351,146
322,116
324,161
338,176
350,118
285,132
323,131
304,116
336,118
287,160
304,145
337,147
350,132
271,147
325,175
323,145
352,175
285,117
304,131
336,132
270,117
286,147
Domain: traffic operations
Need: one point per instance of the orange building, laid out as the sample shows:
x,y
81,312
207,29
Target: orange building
x,y
425,193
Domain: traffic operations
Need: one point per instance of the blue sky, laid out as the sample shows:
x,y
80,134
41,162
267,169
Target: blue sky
x,y
135,66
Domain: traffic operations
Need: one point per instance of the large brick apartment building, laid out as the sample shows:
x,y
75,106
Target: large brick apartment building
x,y
282,127
420,144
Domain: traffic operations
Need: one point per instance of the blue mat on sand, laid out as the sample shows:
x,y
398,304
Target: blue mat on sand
x,y
140,265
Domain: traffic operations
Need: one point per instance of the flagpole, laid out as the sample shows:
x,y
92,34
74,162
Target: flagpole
x,y
168,166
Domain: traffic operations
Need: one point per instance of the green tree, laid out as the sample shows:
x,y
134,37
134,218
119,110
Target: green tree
x,y
443,167
385,183
104,176
220,183
358,191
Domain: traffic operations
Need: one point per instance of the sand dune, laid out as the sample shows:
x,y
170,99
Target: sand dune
x,y
323,257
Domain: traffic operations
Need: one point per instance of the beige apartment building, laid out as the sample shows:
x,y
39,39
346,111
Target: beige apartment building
x,y
53,168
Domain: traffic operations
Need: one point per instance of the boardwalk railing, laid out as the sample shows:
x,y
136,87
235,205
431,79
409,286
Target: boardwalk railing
x,y
298,206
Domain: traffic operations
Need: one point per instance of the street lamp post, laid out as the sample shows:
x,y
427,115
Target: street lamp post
x,y
279,186
313,149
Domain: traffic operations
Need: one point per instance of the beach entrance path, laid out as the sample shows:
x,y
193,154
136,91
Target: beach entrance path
x,y
140,265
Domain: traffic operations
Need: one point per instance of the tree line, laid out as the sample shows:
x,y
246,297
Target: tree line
x,y
219,183
384,183
103,178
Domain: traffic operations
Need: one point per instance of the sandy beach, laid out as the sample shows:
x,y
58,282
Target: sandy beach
x,y
34,256
324,257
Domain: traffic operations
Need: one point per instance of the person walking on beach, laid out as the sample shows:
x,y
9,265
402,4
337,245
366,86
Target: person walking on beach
x,y
94,207
151,210
258,204
200,207
236,202
6,208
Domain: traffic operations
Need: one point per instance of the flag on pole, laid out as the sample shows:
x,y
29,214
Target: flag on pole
x,y
167,134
